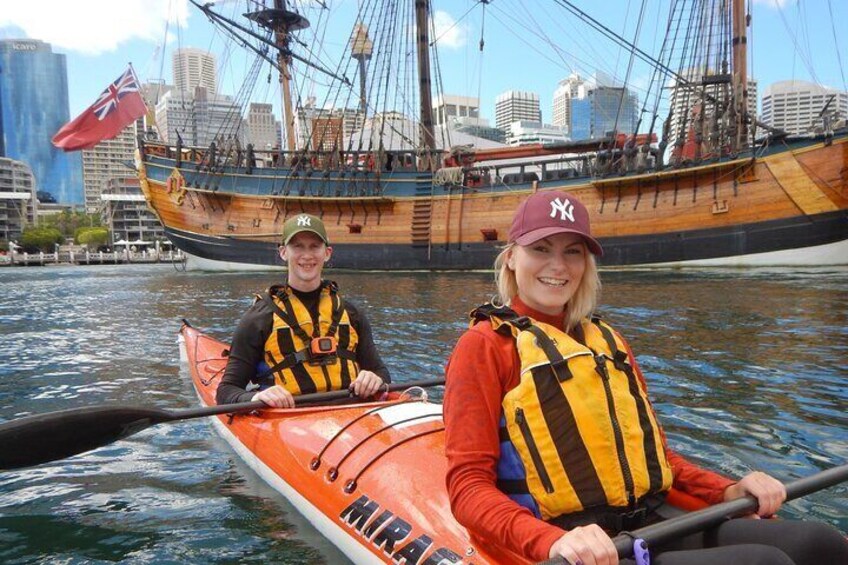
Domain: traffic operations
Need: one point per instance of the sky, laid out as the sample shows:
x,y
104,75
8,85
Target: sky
x,y
529,45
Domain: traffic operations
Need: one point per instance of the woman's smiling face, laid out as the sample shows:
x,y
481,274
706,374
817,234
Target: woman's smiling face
x,y
548,272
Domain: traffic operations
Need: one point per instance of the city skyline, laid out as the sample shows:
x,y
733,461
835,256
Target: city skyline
x,y
92,61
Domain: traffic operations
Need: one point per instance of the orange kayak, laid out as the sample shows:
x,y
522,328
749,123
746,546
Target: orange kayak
x,y
370,476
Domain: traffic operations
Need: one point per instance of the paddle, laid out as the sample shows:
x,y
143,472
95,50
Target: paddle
x,y
713,515
55,435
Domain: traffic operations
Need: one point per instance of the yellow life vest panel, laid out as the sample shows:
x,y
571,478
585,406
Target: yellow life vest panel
x,y
295,351
579,419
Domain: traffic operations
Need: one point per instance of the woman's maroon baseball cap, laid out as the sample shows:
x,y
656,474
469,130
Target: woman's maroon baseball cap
x,y
546,213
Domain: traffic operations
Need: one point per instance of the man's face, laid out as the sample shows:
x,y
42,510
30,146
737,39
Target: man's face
x,y
305,254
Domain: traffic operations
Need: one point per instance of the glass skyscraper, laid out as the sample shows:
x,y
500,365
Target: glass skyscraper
x,y
33,106
600,110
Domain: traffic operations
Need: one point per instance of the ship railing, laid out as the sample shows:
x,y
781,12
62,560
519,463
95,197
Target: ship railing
x,y
215,157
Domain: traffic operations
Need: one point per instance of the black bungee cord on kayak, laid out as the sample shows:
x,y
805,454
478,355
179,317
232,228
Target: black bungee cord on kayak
x,y
316,461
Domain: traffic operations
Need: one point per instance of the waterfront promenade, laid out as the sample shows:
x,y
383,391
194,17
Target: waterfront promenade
x,y
90,258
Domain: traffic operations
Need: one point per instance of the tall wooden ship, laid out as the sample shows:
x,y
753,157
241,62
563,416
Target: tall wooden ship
x,y
700,191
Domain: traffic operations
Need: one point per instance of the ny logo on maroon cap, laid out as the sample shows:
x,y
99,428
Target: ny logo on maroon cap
x,y
565,209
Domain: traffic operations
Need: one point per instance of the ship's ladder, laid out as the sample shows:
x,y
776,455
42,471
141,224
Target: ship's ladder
x,y
422,213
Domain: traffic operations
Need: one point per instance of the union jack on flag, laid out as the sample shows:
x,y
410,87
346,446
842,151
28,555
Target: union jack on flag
x,y
110,97
117,107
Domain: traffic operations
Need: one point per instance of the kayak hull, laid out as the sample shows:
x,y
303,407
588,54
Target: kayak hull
x,y
369,476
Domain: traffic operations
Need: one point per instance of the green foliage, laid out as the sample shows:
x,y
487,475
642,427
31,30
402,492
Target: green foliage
x,y
68,222
41,239
4,245
92,237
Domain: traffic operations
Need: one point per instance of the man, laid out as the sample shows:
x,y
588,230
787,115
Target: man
x,y
301,337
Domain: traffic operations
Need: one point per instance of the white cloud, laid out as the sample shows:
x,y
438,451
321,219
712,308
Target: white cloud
x,y
93,26
774,3
448,33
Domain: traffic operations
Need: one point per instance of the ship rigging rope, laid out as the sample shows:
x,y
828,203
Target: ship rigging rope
x,y
655,79
600,61
836,46
805,58
440,89
636,34
508,22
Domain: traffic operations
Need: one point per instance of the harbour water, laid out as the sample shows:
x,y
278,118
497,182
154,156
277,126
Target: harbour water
x,y
746,369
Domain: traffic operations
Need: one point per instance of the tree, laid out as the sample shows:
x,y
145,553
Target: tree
x,y
67,222
41,239
91,237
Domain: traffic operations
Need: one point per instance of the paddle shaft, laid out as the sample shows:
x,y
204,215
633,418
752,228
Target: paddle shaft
x,y
56,435
713,515
301,400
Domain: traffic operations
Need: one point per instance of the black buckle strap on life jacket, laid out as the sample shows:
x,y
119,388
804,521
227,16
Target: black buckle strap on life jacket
x,y
338,307
286,362
488,310
284,314
509,316
305,356
559,365
614,519
619,357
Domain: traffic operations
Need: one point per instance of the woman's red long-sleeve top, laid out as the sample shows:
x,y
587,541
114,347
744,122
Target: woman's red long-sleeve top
x,y
484,366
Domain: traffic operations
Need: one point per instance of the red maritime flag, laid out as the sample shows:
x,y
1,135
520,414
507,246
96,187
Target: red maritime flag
x,y
117,107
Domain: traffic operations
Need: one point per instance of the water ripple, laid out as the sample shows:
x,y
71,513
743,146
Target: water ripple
x,y
745,369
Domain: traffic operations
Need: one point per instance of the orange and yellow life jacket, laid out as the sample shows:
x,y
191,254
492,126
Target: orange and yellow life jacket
x,y
578,431
293,350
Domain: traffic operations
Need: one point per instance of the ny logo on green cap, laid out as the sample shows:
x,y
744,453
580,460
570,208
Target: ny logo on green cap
x,y
301,223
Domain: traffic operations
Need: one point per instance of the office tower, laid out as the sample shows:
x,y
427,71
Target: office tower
x,y
193,68
598,110
261,126
105,161
513,106
797,106
198,117
18,202
125,212
33,107
566,90
525,132
463,110
462,114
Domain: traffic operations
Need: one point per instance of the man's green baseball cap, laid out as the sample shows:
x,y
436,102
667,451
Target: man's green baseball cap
x,y
301,223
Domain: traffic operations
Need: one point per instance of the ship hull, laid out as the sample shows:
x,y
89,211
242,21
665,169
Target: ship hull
x,y
789,207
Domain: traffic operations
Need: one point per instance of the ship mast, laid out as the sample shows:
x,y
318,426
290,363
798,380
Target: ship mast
x,y
740,72
422,21
283,21
361,48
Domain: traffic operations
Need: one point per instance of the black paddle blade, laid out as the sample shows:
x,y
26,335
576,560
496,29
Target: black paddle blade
x,y
56,435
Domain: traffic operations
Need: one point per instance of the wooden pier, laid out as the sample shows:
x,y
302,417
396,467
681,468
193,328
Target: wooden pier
x,y
90,258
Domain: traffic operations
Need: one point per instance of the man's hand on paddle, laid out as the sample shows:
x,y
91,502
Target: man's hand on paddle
x,y
769,492
366,384
275,397
587,545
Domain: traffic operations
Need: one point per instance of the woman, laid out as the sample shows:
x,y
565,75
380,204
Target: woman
x,y
552,443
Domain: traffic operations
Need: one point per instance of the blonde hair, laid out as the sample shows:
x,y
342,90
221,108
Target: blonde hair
x,y
581,305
